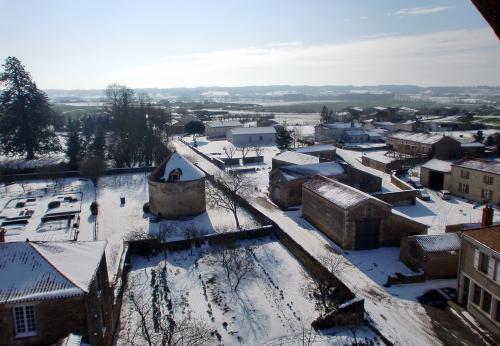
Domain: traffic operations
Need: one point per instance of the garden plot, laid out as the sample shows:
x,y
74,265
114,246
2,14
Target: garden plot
x,y
42,216
268,304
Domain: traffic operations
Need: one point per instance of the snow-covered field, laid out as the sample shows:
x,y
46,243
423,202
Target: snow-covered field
x,y
269,307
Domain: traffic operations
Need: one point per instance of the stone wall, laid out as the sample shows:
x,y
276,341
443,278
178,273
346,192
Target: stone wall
x,y
398,198
361,180
253,159
172,200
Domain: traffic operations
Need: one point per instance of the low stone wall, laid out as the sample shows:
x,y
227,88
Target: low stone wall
x,y
398,198
375,164
253,159
398,279
235,161
400,183
397,226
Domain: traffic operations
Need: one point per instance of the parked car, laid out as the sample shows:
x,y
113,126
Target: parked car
x,y
418,186
423,195
444,194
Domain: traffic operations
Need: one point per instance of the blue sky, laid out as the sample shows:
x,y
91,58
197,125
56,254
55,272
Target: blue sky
x,y
89,44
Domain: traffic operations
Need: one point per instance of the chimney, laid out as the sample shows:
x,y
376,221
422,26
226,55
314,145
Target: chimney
x,y
2,235
487,219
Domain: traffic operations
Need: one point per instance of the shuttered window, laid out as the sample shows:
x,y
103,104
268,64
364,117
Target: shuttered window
x,y
476,258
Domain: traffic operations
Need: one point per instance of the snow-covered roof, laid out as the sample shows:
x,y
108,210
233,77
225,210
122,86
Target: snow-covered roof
x,y
438,243
355,133
47,270
384,123
220,123
296,158
328,169
479,165
315,148
426,138
189,172
342,195
438,165
253,130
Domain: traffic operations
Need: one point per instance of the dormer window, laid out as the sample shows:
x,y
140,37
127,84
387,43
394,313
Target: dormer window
x,y
175,175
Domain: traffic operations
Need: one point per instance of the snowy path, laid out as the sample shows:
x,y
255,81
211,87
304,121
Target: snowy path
x,y
402,320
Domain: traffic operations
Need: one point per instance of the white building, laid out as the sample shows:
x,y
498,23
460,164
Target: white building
x,y
252,136
219,128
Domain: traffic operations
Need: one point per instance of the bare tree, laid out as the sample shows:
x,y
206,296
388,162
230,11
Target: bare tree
x,y
258,151
229,150
307,335
92,168
238,264
152,318
324,290
233,185
245,150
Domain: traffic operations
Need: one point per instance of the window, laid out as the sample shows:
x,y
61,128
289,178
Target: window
x,y
486,194
24,320
486,305
103,321
476,296
464,174
98,283
483,262
261,138
463,188
249,138
368,212
175,175
488,179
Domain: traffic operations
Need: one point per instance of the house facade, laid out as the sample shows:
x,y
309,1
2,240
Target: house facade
x,y
332,131
252,136
475,179
479,276
219,128
425,144
176,188
51,289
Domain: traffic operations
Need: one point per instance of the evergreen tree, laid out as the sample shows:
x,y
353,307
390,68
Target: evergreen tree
x,y
74,149
324,114
25,114
194,128
283,137
479,136
98,144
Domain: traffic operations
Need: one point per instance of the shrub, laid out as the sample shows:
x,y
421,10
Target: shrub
x,y
145,208
94,208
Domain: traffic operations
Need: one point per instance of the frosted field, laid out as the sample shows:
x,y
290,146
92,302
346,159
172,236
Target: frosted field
x,y
269,307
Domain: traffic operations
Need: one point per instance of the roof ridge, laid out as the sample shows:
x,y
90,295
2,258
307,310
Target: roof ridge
x,y
55,268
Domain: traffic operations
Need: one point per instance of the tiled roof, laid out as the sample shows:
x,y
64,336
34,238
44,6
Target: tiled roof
x,y
488,236
438,165
480,165
328,169
47,270
339,194
426,138
438,243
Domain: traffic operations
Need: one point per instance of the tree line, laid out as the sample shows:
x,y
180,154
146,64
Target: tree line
x,y
131,132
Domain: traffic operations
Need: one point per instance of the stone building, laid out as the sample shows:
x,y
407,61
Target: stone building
x,y
51,289
435,255
176,188
252,136
479,275
435,145
351,218
285,183
219,128
474,179
333,131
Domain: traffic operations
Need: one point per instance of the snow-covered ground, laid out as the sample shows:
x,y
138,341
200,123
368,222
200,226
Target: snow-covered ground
x,y
269,307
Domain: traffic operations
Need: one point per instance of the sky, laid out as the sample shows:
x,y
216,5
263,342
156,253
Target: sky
x,y
185,43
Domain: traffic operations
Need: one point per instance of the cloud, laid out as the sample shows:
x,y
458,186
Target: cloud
x,y
463,57
421,10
